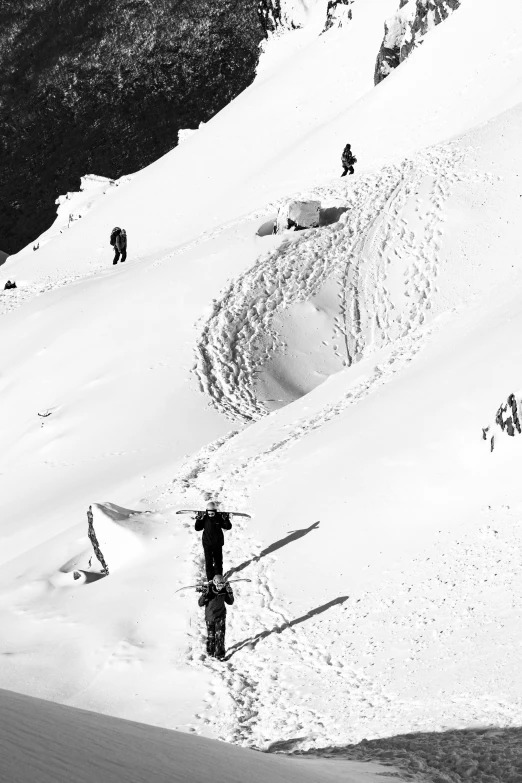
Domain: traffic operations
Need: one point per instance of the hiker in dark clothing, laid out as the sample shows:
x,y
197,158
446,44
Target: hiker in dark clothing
x,y
347,159
119,243
214,597
212,523
9,285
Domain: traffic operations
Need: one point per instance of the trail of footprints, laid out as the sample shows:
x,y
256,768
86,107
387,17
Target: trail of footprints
x,y
257,696
357,253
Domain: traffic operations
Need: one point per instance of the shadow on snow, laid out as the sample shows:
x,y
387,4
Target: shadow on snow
x,y
253,640
294,535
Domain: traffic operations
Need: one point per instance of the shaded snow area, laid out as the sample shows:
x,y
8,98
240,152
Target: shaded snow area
x,y
354,387
50,743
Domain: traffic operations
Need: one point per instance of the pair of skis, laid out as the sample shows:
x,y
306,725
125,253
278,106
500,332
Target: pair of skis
x,y
195,511
200,586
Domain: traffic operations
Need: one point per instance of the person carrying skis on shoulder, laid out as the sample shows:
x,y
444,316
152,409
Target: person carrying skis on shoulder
x,y
212,522
214,597
348,159
119,243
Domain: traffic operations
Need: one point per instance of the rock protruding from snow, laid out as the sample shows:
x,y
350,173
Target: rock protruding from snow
x,y
508,419
338,14
405,30
298,215
270,14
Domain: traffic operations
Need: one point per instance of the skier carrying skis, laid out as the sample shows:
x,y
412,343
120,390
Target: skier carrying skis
x,y
119,243
212,522
347,160
214,597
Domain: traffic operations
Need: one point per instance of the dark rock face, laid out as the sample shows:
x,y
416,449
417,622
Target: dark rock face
x,y
404,31
270,14
98,87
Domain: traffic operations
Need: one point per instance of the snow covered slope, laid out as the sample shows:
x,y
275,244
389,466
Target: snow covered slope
x,y
50,743
385,540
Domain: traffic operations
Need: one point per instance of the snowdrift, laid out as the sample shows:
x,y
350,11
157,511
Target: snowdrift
x,y
55,744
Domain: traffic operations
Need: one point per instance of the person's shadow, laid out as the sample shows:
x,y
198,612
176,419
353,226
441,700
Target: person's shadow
x,y
294,535
253,640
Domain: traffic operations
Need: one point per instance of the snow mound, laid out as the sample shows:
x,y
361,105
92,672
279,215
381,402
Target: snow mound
x,y
52,743
119,534
75,205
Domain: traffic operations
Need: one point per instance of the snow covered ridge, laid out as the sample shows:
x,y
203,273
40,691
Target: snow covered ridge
x,y
280,15
74,205
404,31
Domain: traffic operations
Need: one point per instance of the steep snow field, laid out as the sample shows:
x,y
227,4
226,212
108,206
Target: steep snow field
x,y
385,545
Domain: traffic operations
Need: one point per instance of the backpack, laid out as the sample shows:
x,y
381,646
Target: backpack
x,y
114,234
347,157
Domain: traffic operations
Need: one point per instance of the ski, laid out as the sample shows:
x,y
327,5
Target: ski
x,y
201,511
204,584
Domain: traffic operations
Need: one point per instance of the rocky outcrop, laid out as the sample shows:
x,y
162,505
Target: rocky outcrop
x,y
106,87
298,215
270,14
405,30
508,420
338,14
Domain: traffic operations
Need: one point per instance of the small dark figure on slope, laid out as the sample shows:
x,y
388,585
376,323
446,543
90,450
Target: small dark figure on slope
x,y
214,597
212,522
9,285
119,243
347,160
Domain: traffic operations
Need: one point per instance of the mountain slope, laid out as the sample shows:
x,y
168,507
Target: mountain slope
x,y
95,89
384,544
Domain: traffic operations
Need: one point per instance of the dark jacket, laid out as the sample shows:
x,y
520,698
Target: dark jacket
x,y
213,527
347,158
214,602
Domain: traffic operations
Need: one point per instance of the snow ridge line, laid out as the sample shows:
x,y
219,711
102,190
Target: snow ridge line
x,y
238,337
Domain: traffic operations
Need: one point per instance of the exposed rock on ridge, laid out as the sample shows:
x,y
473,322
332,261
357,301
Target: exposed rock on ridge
x,y
404,31
338,13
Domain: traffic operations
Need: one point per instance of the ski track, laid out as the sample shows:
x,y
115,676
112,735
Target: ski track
x,y
357,253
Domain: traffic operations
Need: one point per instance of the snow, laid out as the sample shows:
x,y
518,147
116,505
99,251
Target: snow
x,y
334,383
56,744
